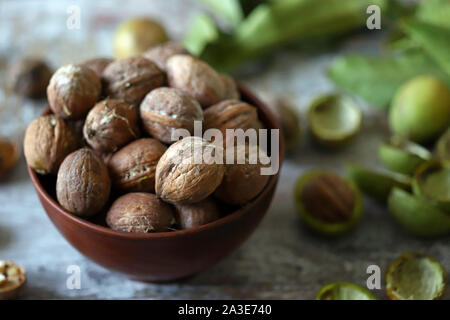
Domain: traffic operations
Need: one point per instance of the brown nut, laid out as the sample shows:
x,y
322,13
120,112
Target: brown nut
x,y
48,140
160,53
83,184
140,212
288,120
196,214
29,77
110,125
12,280
131,79
9,155
98,65
187,172
196,78
231,90
231,114
133,167
73,91
243,180
167,109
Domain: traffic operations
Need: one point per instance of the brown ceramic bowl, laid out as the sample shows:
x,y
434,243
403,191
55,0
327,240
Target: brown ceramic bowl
x,y
165,256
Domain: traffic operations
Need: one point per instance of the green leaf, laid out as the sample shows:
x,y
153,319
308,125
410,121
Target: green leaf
x,y
376,79
202,32
436,12
434,39
231,10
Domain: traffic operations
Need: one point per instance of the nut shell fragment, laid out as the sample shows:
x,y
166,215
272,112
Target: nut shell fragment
x,y
12,280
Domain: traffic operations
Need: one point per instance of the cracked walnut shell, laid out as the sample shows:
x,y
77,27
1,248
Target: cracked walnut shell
x,y
187,172
196,78
140,212
110,125
131,79
83,184
133,167
73,91
12,280
167,109
48,140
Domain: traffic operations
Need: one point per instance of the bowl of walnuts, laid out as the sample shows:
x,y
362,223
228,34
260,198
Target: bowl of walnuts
x,y
121,190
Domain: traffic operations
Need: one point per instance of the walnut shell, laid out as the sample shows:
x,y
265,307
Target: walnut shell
x,y
48,140
231,114
73,91
231,90
196,214
98,65
131,79
166,109
83,184
140,212
242,182
29,77
196,78
160,53
186,173
9,156
133,167
110,125
12,280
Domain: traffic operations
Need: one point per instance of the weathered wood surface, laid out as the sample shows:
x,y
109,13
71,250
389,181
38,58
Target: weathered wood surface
x,y
282,260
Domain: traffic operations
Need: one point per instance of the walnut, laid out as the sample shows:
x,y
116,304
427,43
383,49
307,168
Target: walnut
x,y
98,65
166,109
231,90
9,156
160,53
131,79
133,167
110,125
12,280
196,78
196,214
231,114
187,172
83,184
140,212
48,140
29,77
73,91
242,182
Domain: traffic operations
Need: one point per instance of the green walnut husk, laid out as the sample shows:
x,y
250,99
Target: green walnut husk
x,y
336,201
418,216
334,120
415,276
420,110
432,182
376,183
403,156
443,148
344,291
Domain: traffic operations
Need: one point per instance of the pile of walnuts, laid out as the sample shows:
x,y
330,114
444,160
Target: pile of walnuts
x,y
108,141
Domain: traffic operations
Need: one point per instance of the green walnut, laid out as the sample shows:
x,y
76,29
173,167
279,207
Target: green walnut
x,y
334,120
403,156
443,148
328,204
418,216
420,110
376,183
344,291
134,36
432,182
415,276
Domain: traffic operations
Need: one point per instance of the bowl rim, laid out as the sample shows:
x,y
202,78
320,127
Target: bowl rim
x,y
248,96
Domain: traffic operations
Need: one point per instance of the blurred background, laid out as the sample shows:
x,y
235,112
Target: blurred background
x,y
282,260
